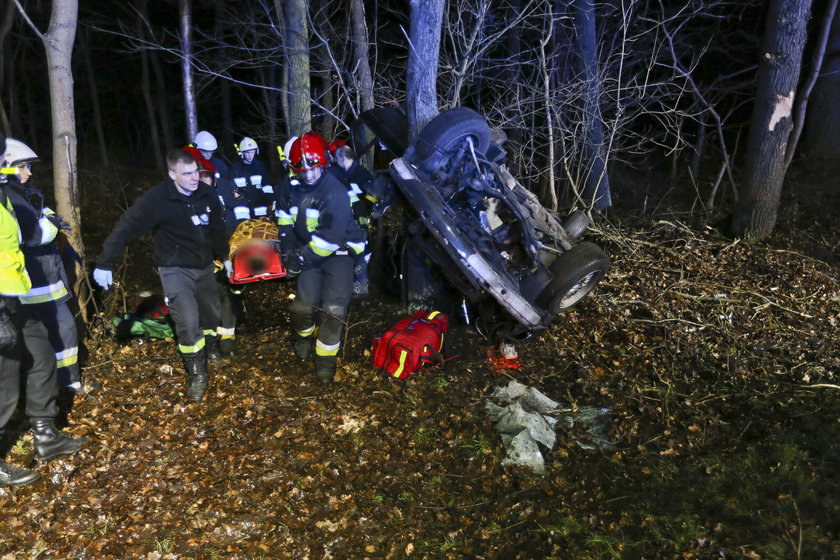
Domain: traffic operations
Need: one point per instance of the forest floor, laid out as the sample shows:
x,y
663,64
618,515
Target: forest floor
x,y
718,361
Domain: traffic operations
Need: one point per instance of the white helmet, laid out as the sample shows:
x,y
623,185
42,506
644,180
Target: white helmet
x,y
206,141
247,144
287,148
17,152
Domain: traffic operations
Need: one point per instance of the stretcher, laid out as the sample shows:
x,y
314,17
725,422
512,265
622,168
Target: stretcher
x,y
255,252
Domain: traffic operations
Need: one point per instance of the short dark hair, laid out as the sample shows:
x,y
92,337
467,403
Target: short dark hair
x,y
346,152
176,156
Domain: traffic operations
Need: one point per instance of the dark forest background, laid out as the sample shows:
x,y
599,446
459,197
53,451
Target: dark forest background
x,y
668,89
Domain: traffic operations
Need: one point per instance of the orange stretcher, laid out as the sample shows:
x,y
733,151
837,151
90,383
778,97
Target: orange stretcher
x,y
255,252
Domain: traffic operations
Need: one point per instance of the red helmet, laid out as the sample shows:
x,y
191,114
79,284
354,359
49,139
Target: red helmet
x,y
335,145
308,151
204,165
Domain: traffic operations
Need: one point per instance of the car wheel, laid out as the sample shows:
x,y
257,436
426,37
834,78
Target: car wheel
x,y
445,132
575,273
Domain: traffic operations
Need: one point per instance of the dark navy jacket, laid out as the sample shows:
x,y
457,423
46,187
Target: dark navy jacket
x,y
256,186
317,219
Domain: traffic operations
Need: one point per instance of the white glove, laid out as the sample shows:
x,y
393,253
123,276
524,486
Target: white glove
x,y
103,277
228,268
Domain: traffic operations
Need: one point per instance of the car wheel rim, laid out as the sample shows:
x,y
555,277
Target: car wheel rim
x,y
579,290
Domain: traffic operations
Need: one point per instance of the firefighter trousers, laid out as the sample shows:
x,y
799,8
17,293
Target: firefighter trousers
x,y
64,337
33,358
325,287
193,301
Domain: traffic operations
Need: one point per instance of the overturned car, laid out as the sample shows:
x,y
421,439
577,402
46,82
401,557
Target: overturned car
x,y
516,265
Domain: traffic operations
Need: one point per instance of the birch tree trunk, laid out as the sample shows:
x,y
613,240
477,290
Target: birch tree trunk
x,y
423,59
361,54
186,70
295,13
58,44
778,76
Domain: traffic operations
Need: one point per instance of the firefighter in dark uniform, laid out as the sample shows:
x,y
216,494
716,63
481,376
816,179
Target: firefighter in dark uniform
x,y
207,146
24,341
229,302
254,186
185,219
47,300
356,178
319,239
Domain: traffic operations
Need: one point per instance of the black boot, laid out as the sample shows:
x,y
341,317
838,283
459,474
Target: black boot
x,y
49,443
227,347
11,475
211,348
196,366
303,348
325,368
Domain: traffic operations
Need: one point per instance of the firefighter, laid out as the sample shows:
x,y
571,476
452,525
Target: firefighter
x,y
228,301
252,182
207,146
185,219
319,239
356,178
24,339
47,300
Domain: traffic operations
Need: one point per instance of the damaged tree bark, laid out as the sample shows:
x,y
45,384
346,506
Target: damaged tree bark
x,y
778,76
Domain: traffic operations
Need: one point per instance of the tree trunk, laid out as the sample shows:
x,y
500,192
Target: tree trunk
x,y
58,44
823,117
94,95
6,61
297,57
224,85
596,191
778,75
186,69
163,102
361,54
423,58
146,88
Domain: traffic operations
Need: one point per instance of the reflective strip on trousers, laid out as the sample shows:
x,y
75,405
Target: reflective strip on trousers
x,y
67,357
322,349
197,347
306,332
41,294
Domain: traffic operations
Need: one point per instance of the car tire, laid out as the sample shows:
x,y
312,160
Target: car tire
x,y
576,224
445,132
575,273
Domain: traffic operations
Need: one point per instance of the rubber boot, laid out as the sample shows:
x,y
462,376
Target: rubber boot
x,y
50,443
325,368
211,348
11,475
196,366
303,348
227,347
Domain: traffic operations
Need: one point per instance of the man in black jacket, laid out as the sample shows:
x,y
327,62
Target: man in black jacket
x,y
185,218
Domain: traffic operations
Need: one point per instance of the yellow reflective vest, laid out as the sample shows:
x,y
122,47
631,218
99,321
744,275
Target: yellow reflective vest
x,y
14,281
